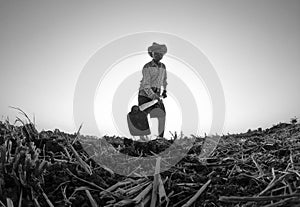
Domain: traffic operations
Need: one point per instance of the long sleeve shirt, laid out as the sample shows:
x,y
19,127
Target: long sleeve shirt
x,y
154,77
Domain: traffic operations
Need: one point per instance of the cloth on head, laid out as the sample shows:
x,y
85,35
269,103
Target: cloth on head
x,y
157,48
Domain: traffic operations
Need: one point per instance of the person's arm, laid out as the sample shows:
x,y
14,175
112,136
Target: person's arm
x,y
165,83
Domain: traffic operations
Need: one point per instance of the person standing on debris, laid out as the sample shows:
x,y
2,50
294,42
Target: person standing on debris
x,y
154,78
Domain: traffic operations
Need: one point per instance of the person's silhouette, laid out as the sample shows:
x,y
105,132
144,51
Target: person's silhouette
x,y
154,77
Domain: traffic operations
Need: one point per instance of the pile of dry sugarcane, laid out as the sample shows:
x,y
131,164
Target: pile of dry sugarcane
x,y
53,168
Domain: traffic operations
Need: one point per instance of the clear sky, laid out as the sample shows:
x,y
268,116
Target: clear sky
x,y
254,47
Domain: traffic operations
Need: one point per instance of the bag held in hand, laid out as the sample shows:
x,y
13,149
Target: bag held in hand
x,y
138,122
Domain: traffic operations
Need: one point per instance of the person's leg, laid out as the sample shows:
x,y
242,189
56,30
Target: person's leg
x,y
143,138
147,138
161,125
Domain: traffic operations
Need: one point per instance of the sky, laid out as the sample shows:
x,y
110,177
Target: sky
x,y
254,47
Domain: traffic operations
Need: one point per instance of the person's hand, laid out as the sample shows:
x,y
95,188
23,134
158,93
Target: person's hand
x,y
164,94
155,96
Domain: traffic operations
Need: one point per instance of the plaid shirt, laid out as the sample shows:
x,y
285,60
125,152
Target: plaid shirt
x,y
154,77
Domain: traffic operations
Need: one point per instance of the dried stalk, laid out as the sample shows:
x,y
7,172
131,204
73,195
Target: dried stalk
x,y
257,166
256,199
83,164
195,197
272,184
155,183
47,200
279,203
20,199
93,202
77,134
2,204
143,194
82,180
115,186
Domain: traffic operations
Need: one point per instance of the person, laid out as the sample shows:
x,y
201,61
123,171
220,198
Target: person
x,y
154,78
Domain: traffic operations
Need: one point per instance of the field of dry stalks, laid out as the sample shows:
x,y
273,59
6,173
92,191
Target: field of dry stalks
x,y
53,168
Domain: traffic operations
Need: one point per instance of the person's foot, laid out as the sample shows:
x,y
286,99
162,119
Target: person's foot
x,y
161,135
143,139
